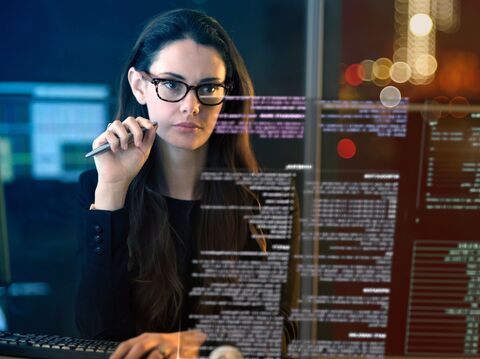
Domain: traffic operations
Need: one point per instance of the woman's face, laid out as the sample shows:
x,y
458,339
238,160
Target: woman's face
x,y
186,124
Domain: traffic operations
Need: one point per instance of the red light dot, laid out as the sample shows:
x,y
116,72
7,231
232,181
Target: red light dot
x,y
346,148
459,101
353,74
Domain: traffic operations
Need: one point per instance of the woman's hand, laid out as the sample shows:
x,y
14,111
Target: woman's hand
x,y
117,168
161,345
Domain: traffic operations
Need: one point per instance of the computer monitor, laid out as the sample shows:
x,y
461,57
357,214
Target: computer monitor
x,y
45,130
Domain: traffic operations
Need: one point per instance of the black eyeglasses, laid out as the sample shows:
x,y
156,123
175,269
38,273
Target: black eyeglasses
x,y
209,94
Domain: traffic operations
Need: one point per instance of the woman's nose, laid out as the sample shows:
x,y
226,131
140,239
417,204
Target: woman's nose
x,y
190,103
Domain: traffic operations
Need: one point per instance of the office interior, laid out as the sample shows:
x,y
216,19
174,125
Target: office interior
x,y
387,142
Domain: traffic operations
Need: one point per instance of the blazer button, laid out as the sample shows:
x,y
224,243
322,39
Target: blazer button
x,y
99,251
98,238
98,229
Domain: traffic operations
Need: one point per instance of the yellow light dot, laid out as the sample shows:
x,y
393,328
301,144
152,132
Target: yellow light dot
x,y
400,72
390,96
420,24
426,65
421,80
348,93
381,68
381,83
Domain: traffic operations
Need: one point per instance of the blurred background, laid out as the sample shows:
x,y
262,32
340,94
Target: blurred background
x,y
59,73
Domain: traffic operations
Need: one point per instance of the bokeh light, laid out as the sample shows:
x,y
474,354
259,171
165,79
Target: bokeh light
x,y
347,92
380,82
346,148
353,74
390,96
381,68
400,42
420,24
421,80
458,101
367,72
446,15
400,72
426,65
401,6
431,111
400,54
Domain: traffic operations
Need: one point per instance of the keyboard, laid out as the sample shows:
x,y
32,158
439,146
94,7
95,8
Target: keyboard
x,y
53,346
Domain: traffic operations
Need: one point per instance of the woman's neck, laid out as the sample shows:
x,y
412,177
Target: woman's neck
x,y
182,169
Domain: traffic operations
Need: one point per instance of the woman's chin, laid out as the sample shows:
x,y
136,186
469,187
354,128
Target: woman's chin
x,y
185,144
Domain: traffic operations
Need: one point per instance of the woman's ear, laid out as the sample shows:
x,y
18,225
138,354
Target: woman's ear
x,y
138,85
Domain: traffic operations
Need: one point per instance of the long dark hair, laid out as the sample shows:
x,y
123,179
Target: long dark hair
x,y
157,296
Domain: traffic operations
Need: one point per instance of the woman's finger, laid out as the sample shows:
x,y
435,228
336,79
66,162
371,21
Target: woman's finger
x,y
193,337
139,349
126,346
151,127
121,132
191,343
134,128
122,349
100,140
149,138
113,140
145,343
146,123
156,345
156,354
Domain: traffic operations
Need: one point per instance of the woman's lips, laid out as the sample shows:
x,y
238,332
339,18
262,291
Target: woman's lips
x,y
187,126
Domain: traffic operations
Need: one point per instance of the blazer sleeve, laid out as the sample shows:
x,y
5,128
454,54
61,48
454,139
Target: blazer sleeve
x,y
102,306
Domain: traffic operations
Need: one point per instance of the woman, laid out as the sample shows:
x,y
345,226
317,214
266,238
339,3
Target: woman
x,y
141,222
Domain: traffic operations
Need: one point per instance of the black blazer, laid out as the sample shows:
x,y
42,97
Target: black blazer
x,y
102,307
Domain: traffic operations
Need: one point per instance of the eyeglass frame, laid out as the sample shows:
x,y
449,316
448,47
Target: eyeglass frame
x,y
156,80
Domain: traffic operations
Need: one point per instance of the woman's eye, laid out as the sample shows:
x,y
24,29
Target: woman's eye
x,y
209,89
171,85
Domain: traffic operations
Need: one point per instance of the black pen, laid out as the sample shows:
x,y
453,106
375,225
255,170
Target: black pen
x,y
106,147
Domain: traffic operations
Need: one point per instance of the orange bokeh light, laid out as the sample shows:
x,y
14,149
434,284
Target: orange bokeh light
x,y
458,101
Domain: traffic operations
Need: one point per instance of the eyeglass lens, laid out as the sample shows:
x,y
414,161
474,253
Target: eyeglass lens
x,y
208,94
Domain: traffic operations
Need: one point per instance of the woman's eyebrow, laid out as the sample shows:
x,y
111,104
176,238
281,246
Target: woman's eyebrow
x,y
173,74
180,77
211,79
